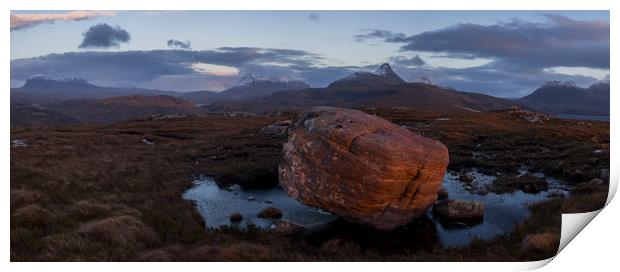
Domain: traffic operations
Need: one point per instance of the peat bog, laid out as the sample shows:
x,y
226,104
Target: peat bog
x,y
119,192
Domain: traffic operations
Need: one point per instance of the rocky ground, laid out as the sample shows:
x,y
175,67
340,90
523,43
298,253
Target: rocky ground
x,y
113,192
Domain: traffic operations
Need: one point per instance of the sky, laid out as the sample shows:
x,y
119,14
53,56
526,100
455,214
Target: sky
x,y
501,53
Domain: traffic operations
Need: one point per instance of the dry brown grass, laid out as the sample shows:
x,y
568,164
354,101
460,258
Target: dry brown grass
x,y
122,231
97,193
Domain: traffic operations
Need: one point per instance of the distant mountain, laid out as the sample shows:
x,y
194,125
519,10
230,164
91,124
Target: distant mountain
x,y
559,97
249,87
383,88
383,76
38,87
108,110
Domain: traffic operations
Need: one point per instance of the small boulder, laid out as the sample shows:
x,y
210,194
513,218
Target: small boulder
x,y
459,209
595,182
286,227
277,129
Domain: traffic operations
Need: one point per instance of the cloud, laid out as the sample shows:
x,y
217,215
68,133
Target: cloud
x,y
385,35
179,44
215,70
519,56
489,79
560,41
22,21
185,70
104,36
142,68
314,17
406,61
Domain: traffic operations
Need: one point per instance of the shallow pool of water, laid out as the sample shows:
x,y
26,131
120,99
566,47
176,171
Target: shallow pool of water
x,y
216,205
502,211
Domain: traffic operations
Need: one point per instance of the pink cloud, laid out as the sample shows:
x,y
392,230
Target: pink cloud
x,y
20,21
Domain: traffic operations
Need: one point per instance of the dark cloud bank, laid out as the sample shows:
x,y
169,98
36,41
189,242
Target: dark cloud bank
x,y
559,42
520,52
104,36
146,66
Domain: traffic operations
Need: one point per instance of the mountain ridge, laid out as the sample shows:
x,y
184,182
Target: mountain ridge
x,y
76,88
557,97
364,89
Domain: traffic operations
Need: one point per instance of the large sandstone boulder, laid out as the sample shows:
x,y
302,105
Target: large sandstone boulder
x,y
361,167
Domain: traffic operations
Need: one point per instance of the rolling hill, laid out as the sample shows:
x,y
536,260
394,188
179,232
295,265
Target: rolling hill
x,y
108,110
40,88
567,98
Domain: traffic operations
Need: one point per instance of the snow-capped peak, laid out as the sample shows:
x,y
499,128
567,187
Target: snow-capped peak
x,y
423,80
59,80
249,79
600,85
357,75
246,79
558,83
384,70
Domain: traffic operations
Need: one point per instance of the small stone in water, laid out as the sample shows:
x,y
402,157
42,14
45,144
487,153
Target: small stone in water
x,y
466,178
236,217
459,209
251,198
270,212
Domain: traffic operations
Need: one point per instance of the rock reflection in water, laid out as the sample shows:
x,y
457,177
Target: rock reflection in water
x,y
419,234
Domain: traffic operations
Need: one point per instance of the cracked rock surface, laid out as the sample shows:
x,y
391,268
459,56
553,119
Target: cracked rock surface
x,y
361,167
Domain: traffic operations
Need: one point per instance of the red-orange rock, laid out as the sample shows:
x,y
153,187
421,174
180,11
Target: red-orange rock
x,y
361,167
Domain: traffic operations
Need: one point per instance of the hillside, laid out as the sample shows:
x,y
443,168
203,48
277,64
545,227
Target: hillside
x,y
249,87
567,98
40,87
109,110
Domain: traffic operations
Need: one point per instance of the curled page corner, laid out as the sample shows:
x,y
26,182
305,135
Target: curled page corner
x,y
528,266
613,183
573,224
